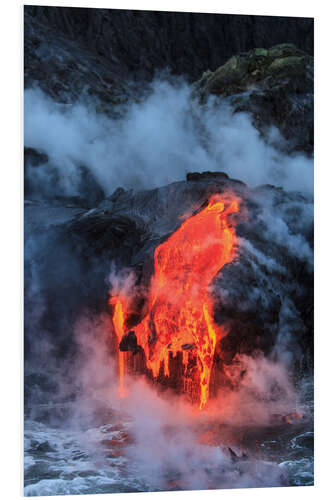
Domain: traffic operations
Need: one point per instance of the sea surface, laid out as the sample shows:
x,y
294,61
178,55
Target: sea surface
x,y
96,456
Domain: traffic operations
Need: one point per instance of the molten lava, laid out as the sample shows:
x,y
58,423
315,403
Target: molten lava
x,y
180,308
118,324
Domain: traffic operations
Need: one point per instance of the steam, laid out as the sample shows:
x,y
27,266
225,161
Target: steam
x,y
261,388
155,142
162,438
289,224
165,444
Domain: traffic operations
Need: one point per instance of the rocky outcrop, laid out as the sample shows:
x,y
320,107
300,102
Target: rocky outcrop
x,y
75,50
275,85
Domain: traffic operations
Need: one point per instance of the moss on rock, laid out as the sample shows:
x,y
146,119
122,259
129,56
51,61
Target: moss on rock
x,y
228,75
288,65
275,85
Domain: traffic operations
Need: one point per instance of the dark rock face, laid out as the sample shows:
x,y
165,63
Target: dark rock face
x,y
274,85
98,50
65,67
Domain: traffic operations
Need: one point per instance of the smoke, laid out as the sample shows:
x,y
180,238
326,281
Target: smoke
x,y
155,142
122,282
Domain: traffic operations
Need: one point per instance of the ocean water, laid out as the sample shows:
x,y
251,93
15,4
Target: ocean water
x,y
105,454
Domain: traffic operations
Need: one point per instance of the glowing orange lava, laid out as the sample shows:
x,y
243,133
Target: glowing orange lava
x,y
180,309
118,324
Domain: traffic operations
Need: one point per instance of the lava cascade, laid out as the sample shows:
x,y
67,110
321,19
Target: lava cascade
x,y
118,320
180,306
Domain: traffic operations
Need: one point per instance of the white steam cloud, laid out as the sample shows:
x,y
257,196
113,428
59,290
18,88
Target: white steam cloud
x,y
155,142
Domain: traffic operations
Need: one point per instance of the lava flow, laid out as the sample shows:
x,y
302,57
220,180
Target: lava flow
x,y
118,325
180,308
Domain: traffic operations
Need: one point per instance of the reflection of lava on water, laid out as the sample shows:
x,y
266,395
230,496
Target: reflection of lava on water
x,y
180,308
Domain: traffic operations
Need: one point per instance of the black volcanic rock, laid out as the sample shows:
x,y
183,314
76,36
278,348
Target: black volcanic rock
x,y
98,50
129,343
196,176
275,86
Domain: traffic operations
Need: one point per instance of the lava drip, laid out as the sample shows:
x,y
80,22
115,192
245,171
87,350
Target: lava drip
x,y
180,309
118,320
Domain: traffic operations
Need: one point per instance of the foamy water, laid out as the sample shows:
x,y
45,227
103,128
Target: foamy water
x,y
105,458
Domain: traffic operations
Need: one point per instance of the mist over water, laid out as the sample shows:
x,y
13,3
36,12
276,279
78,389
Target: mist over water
x,y
155,142
151,440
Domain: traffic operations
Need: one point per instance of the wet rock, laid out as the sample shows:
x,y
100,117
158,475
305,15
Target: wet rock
x,y
44,447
